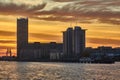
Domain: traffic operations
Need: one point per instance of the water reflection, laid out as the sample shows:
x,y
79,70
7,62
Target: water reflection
x,y
58,71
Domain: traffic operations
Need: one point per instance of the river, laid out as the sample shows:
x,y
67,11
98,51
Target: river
x,y
58,71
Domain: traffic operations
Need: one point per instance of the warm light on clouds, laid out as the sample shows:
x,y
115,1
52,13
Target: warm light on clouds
x,y
48,18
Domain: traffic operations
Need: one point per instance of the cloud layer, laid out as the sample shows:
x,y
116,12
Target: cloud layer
x,y
7,41
42,36
21,9
103,41
45,36
6,33
84,11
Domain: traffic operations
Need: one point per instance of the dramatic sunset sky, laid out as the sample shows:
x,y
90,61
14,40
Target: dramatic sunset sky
x,y
48,18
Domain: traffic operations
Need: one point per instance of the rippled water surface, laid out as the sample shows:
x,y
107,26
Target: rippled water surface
x,y
58,71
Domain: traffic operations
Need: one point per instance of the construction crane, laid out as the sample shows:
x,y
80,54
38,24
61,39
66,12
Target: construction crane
x,y
8,52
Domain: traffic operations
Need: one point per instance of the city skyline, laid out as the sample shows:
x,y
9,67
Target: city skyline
x,y
45,24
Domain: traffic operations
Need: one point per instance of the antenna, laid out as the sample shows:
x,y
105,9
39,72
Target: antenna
x,y
76,20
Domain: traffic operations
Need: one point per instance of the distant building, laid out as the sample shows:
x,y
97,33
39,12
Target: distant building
x,y
34,51
103,53
68,43
22,34
73,42
71,50
79,41
41,51
56,50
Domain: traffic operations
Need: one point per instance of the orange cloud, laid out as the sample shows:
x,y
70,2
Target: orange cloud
x,y
45,36
5,47
7,41
6,33
104,41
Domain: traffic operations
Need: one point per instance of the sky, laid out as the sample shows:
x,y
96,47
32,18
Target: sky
x,y
48,18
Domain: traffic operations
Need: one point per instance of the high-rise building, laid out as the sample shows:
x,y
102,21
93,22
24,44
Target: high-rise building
x,y
73,42
22,34
79,41
68,43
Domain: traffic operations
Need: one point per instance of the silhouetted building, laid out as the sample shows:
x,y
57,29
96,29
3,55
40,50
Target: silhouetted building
x,y
41,51
73,42
71,50
68,43
56,50
34,51
79,41
22,34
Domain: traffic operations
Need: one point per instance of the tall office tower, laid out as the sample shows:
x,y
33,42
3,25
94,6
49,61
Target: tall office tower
x,y
68,43
73,42
22,34
79,41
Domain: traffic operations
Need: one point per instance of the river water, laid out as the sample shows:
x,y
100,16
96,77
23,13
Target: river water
x,y
58,71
